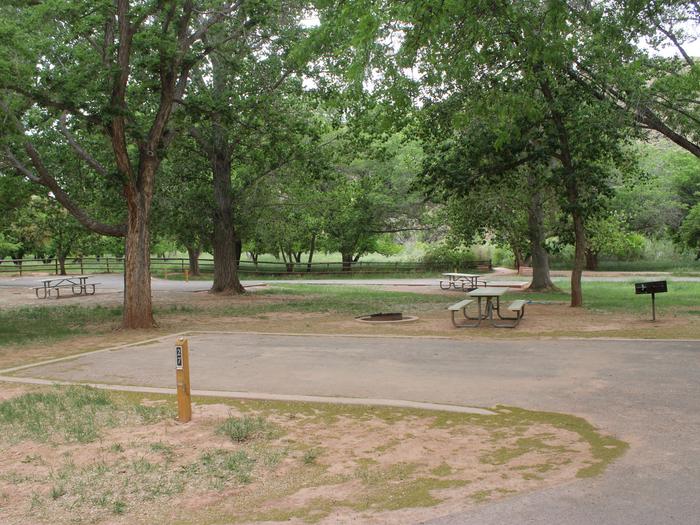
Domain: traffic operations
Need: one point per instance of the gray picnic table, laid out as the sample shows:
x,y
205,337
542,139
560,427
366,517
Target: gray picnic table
x,y
491,306
466,281
77,284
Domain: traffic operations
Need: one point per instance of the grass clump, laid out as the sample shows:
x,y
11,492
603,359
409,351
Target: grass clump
x,y
218,467
72,414
310,456
248,428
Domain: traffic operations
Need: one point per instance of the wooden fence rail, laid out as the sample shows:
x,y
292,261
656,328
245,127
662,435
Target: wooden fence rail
x,y
163,265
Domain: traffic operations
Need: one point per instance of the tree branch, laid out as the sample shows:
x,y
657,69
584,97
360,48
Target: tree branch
x,y
79,150
117,126
225,11
641,112
44,178
669,34
21,168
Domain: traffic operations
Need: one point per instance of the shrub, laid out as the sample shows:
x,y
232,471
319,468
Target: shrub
x,y
443,256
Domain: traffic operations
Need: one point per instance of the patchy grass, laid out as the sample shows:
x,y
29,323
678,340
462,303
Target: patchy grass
x,y
75,414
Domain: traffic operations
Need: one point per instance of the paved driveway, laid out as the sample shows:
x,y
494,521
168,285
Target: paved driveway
x,y
115,281
645,392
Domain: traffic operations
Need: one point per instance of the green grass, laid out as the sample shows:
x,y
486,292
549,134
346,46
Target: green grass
x,y
644,265
22,325
74,414
619,296
248,428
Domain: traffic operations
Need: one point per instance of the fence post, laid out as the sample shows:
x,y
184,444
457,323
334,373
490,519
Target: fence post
x,y
20,268
182,264
107,259
56,264
81,266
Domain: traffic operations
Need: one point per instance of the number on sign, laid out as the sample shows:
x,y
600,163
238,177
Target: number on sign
x,y
178,357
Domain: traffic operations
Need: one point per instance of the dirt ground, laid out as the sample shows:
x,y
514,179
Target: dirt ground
x,y
324,464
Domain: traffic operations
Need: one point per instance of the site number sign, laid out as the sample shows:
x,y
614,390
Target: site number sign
x,y
178,358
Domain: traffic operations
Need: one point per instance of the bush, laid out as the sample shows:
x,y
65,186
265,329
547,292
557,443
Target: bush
x,y
442,256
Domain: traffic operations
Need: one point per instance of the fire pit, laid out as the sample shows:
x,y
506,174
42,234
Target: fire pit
x,y
394,317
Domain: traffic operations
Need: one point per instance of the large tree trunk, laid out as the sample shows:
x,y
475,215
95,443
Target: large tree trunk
x,y
591,260
193,256
238,250
138,307
224,245
62,264
347,261
540,259
518,257
572,196
219,151
312,249
579,245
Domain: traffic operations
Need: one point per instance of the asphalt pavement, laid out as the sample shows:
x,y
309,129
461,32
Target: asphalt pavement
x,y
115,282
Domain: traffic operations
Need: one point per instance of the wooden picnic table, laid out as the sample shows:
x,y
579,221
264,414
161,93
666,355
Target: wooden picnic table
x,y
52,287
466,281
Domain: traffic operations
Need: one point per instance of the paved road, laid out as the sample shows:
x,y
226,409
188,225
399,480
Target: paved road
x,y
645,392
116,281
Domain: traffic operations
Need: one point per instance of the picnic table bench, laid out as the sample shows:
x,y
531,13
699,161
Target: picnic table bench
x,y
77,284
487,294
465,281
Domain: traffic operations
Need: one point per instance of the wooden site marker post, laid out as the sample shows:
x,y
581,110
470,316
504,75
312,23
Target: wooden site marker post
x,y
182,378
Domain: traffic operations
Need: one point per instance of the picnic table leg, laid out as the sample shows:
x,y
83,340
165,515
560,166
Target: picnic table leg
x,y
466,325
479,316
514,321
485,314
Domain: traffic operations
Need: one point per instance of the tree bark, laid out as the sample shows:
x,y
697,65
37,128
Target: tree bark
x,y
347,261
579,248
541,280
289,260
572,195
518,257
312,249
193,256
62,264
591,260
138,305
219,151
224,245
238,249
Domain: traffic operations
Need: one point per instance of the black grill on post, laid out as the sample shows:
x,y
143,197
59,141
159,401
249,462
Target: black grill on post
x,y
652,287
